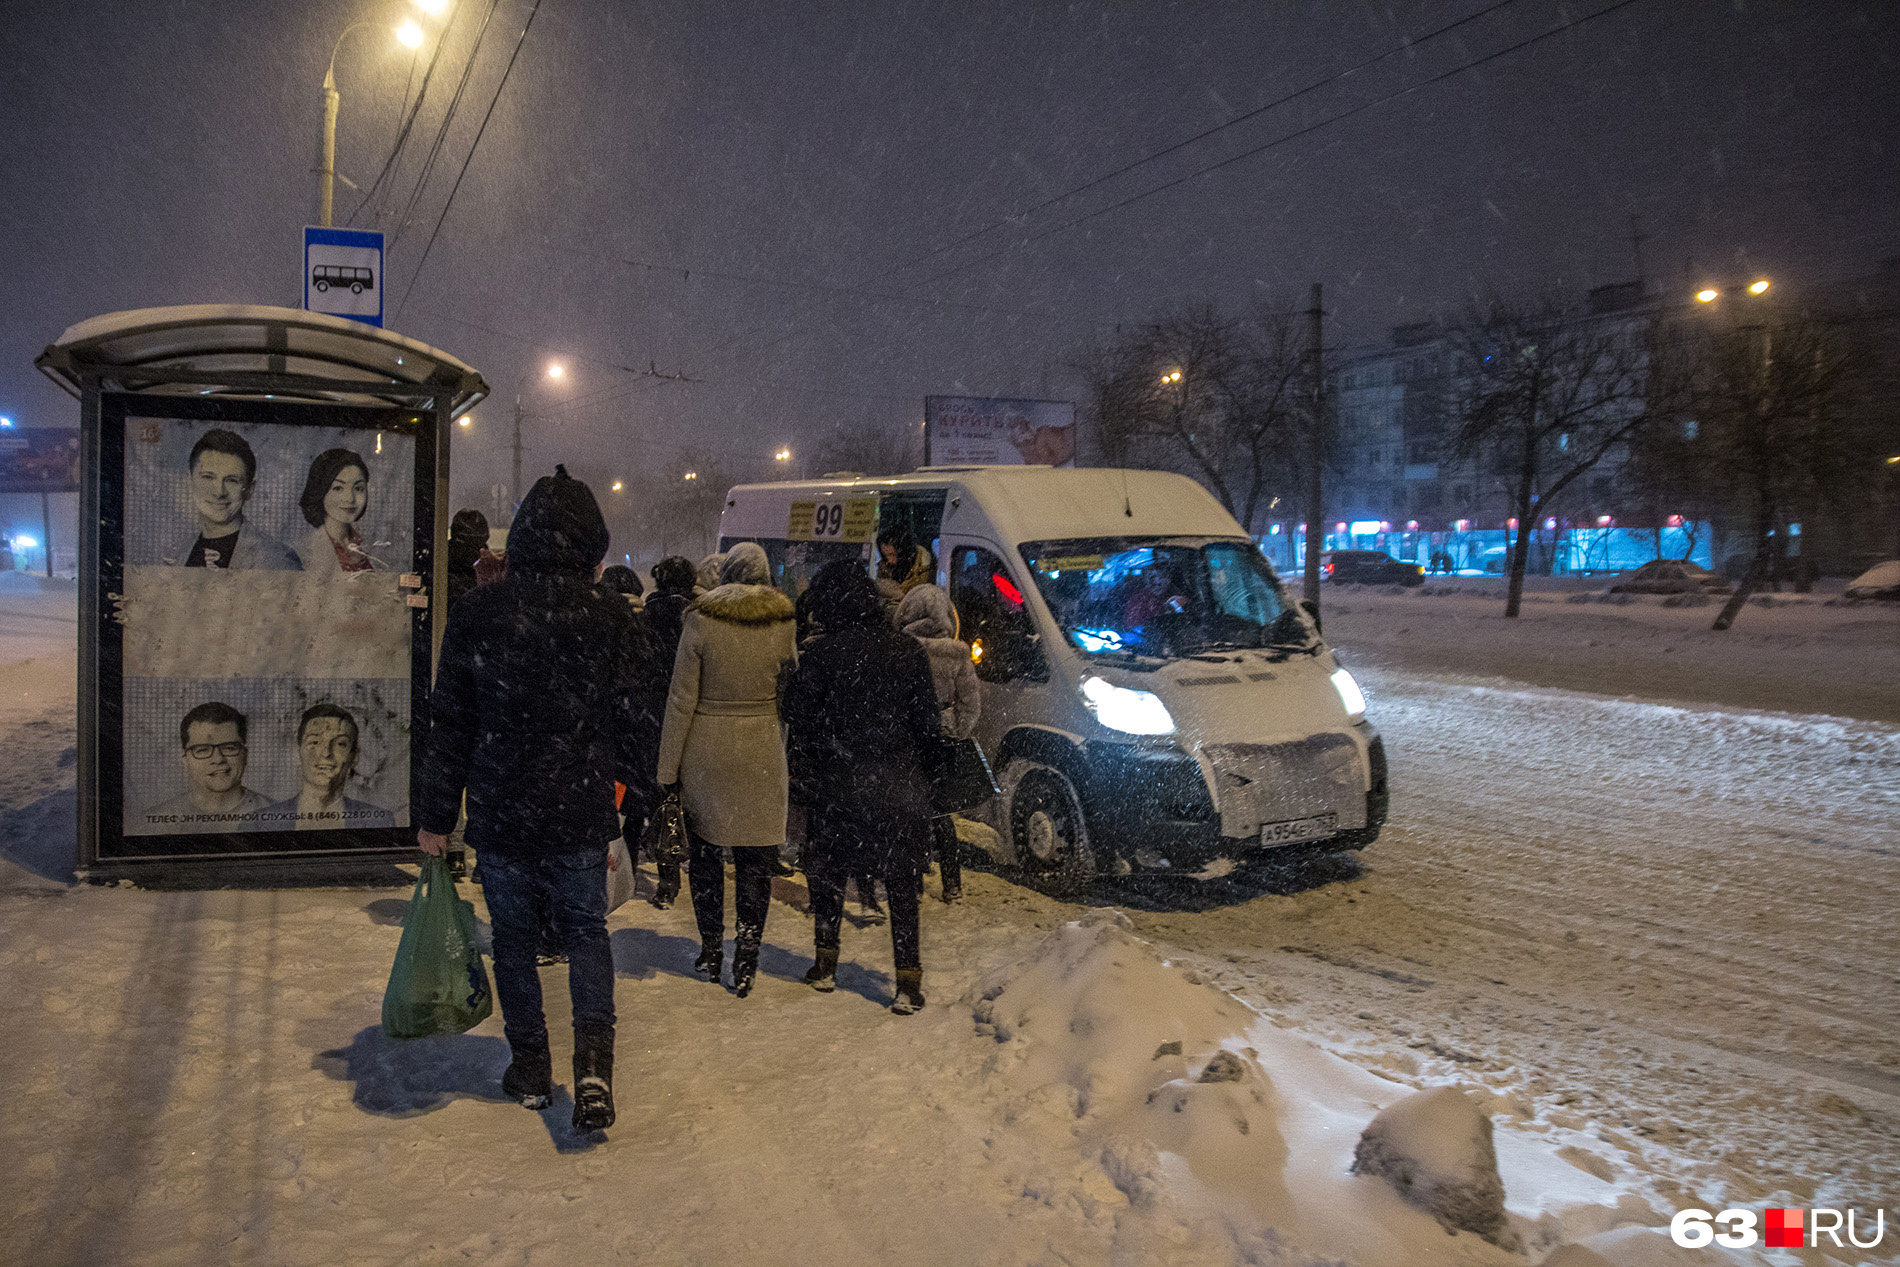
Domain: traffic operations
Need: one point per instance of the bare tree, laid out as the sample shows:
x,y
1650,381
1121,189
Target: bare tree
x,y
1772,402
1546,394
1212,396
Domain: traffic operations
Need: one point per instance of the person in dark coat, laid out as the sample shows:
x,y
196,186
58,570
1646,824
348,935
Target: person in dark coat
x,y
863,714
674,579
468,537
827,578
535,713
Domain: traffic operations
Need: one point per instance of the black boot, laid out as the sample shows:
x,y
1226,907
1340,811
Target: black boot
x,y
529,1080
711,959
823,975
910,991
745,961
593,1078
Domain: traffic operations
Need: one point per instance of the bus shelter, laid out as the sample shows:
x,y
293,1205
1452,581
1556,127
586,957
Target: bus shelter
x,y
263,530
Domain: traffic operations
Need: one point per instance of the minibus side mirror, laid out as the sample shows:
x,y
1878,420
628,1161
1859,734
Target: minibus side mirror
x,y
1312,609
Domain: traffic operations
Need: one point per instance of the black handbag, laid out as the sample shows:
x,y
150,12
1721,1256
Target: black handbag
x,y
665,839
960,775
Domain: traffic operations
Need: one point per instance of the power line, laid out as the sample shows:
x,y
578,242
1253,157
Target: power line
x,y
442,129
475,145
1295,135
1407,44
402,134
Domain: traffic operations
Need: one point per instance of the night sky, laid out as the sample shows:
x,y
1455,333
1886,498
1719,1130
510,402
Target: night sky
x,y
750,194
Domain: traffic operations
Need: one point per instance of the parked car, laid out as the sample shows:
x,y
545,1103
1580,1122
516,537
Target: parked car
x,y
1670,576
1369,567
1881,582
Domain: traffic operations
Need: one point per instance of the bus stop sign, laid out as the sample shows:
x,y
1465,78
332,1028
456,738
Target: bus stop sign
x,y
343,273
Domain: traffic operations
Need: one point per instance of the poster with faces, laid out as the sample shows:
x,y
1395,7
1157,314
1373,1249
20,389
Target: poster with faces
x,y
267,627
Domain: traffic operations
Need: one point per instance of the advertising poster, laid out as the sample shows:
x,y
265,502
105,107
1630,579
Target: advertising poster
x,y
984,431
268,613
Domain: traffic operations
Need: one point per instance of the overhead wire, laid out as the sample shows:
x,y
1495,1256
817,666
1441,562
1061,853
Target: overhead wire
x,y
473,147
402,134
1406,44
1296,134
442,129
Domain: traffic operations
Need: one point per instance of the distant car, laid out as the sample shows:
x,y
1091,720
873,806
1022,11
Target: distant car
x,y
1369,567
1670,576
1881,583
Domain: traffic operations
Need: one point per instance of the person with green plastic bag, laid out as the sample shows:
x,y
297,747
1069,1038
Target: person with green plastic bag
x,y
438,984
538,709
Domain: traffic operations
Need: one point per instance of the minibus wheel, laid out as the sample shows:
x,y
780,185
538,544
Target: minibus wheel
x,y
1047,828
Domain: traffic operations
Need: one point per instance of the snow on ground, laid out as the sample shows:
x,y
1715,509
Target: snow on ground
x,y
1791,652
1656,940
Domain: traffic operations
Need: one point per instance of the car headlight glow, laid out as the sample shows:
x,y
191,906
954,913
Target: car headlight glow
x,y
1350,695
1129,711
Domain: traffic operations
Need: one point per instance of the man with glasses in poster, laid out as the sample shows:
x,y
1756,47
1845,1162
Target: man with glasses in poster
x,y
223,472
326,754
212,741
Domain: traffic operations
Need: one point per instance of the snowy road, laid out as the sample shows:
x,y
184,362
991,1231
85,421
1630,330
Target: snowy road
x,y
1673,929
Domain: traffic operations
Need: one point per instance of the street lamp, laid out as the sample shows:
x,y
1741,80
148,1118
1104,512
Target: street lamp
x,y
409,35
691,475
783,455
617,486
1707,295
464,420
556,369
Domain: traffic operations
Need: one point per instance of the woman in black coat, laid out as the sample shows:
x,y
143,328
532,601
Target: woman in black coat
x,y
863,716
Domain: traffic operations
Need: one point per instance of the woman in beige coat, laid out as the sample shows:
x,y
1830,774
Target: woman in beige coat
x,y
721,748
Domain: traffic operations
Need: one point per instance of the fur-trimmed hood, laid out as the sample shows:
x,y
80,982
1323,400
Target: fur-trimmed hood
x,y
744,605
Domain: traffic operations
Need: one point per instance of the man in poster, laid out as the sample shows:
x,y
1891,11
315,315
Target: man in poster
x,y
212,740
223,471
326,752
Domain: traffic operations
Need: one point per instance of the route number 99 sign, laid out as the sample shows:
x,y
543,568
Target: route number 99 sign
x,y
853,519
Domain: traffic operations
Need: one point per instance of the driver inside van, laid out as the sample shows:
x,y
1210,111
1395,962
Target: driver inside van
x,y
1156,593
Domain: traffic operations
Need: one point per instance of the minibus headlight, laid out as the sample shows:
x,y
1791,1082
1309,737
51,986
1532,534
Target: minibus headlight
x,y
1129,711
1350,695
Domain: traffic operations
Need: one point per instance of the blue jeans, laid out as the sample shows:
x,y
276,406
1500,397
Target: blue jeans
x,y
572,889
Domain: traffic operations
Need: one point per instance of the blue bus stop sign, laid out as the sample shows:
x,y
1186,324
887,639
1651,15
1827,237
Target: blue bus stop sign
x,y
343,273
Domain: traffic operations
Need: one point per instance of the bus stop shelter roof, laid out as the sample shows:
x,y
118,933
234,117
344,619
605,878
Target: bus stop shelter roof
x,y
254,350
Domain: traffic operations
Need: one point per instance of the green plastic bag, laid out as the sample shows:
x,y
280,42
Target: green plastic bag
x,y
438,984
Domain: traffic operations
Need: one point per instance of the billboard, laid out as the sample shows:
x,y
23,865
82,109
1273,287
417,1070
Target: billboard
x,y
264,645
39,460
986,431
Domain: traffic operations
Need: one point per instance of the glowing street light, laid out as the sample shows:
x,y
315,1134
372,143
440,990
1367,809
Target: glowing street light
x,y
617,486
1707,295
783,455
1759,287
464,420
409,35
1173,376
691,475
556,369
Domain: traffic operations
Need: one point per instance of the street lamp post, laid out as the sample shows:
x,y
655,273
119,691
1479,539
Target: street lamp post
x,y
410,36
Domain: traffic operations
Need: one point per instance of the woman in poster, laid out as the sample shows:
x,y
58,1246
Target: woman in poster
x,y
335,497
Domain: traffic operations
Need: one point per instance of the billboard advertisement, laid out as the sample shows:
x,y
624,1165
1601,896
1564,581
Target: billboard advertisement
x,y
265,640
986,431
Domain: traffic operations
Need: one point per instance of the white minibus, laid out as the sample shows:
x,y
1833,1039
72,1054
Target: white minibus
x,y
1153,698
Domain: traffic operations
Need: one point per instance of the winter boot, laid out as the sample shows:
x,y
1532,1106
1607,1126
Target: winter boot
x,y
745,961
823,974
712,958
529,1080
910,991
593,1078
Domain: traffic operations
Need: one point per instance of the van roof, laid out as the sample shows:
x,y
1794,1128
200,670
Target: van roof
x,y
1022,503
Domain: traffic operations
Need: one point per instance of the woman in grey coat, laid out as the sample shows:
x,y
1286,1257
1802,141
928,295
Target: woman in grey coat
x,y
927,615
721,747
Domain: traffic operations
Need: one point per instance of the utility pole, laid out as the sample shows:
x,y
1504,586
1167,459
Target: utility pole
x,y
514,490
330,99
1315,455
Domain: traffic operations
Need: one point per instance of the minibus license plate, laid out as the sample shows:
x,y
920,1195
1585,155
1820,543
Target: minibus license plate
x,y
1299,829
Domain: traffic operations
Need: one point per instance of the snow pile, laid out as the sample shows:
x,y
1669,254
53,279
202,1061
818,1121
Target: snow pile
x,y
1435,1148
1206,1134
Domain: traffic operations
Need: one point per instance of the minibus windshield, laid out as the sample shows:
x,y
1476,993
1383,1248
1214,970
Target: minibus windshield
x,y
1165,597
